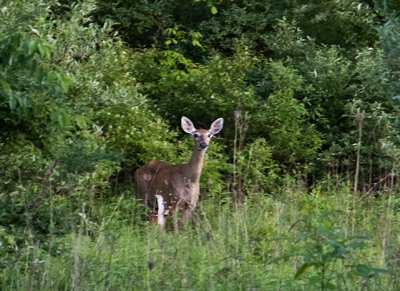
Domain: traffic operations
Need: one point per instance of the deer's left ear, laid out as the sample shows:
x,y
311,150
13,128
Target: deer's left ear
x,y
216,126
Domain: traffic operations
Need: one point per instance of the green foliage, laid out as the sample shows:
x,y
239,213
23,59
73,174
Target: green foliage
x,y
175,36
244,21
309,91
201,92
156,23
278,242
328,21
324,248
390,38
58,151
131,131
141,21
294,51
28,82
256,169
285,128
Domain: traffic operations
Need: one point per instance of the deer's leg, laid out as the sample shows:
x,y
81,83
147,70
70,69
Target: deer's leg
x,y
187,215
175,222
143,180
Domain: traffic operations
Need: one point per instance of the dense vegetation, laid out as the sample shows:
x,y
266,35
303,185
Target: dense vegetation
x,y
299,191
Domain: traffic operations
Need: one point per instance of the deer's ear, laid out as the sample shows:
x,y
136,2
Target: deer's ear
x,y
187,125
216,126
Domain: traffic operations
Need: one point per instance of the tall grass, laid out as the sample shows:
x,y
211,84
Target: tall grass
x,y
290,240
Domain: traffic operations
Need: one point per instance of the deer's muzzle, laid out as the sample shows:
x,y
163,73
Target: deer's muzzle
x,y
203,145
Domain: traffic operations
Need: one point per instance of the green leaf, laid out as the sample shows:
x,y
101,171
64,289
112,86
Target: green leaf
x,y
195,42
63,119
12,102
358,245
51,76
380,270
5,86
23,102
214,10
363,270
302,269
81,121
42,50
64,82
32,47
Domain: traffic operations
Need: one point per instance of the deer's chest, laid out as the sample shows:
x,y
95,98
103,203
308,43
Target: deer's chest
x,y
187,190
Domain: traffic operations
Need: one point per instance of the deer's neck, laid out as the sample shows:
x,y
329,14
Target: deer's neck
x,y
195,164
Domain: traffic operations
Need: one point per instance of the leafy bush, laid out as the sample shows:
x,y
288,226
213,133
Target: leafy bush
x,y
58,148
256,170
310,107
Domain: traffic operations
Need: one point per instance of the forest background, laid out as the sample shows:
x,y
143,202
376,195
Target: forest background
x,y
299,190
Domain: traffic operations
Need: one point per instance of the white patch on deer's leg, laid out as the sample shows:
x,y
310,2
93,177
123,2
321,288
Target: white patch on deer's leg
x,y
160,214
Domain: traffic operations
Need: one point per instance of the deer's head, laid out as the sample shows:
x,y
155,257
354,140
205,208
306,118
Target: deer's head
x,y
201,137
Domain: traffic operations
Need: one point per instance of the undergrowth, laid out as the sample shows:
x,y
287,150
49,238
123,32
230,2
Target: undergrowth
x,y
323,239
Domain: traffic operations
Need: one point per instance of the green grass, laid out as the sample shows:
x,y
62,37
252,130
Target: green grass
x,y
292,240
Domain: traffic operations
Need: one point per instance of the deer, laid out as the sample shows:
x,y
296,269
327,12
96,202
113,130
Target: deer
x,y
169,188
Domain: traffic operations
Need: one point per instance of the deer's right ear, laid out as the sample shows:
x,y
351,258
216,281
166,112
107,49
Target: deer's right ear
x,y
187,125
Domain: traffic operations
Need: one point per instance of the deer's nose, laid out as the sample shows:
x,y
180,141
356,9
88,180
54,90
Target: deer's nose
x,y
203,145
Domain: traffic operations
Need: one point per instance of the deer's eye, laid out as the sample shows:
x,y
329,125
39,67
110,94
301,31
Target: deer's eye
x,y
195,135
209,135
